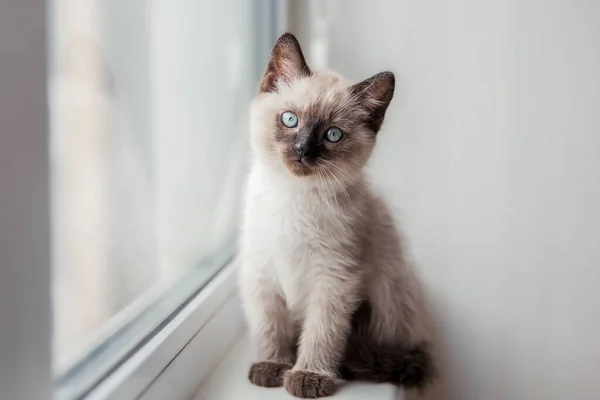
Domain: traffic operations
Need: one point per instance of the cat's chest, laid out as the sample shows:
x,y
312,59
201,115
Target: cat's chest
x,y
304,249
304,236
297,222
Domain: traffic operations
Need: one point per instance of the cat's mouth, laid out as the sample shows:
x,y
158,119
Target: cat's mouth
x,y
300,166
302,161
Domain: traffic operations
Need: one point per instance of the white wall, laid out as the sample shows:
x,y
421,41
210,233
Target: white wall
x,y
491,153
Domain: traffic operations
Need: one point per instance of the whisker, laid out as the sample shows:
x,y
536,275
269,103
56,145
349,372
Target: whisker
x,y
342,188
337,206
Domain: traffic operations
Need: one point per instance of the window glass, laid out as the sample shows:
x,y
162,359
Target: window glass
x,y
148,107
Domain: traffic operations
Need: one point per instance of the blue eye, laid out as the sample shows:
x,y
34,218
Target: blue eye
x,y
333,135
289,119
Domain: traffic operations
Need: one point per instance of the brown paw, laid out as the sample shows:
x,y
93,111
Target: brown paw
x,y
308,385
267,373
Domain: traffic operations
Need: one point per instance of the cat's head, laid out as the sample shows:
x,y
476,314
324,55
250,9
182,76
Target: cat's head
x,y
314,124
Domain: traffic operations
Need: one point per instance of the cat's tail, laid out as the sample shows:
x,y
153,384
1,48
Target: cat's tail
x,y
403,367
410,367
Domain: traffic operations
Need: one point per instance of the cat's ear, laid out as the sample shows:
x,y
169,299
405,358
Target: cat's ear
x,y
286,63
375,94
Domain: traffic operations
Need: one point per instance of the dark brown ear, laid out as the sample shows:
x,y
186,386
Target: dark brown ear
x,y
375,95
286,63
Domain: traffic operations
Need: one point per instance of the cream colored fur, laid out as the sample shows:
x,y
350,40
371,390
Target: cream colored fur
x,y
312,249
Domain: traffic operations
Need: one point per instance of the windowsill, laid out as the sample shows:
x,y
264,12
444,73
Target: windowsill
x,y
205,346
229,382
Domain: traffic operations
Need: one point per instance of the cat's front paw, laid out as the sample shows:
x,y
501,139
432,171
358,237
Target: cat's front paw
x,y
308,385
268,373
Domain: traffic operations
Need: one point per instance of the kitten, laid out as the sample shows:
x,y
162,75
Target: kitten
x,y
323,281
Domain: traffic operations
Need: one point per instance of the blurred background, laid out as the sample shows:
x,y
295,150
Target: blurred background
x,y
490,154
147,109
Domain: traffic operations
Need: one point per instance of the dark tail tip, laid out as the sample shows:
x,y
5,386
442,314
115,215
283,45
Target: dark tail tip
x,y
415,368
409,366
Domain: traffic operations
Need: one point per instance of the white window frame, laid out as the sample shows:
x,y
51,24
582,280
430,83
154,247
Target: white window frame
x,y
176,360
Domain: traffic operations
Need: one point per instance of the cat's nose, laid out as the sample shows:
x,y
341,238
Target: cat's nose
x,y
303,149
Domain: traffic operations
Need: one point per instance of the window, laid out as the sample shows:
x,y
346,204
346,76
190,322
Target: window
x,y
148,110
